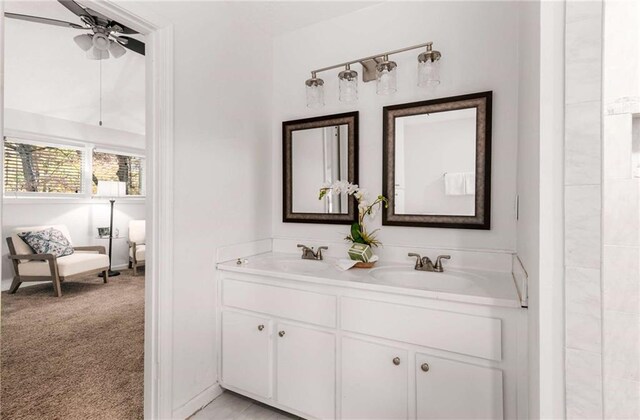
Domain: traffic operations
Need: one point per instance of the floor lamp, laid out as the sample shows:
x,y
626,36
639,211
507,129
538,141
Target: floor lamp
x,y
111,190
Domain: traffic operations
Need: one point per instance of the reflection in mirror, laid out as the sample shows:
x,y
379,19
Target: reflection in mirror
x,y
446,185
437,162
319,156
319,151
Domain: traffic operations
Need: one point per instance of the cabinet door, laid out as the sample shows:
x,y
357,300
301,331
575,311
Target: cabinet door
x,y
374,380
446,389
246,352
306,366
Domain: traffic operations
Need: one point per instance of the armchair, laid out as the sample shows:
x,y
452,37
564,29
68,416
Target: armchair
x,y
29,266
137,245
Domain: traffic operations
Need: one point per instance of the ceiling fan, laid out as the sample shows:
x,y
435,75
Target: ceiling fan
x,y
106,39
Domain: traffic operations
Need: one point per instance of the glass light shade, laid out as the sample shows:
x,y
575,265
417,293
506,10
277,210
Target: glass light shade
x,y
100,42
84,41
387,78
348,85
429,74
116,49
96,54
315,92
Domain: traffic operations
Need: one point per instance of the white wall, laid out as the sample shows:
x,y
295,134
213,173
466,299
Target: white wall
x,y
28,122
528,178
466,33
540,190
222,170
448,146
307,149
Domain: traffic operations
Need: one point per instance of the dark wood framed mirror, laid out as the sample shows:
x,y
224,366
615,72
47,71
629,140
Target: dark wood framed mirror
x,y
437,162
317,151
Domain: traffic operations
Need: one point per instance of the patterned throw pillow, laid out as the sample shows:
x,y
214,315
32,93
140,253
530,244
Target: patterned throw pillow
x,y
48,241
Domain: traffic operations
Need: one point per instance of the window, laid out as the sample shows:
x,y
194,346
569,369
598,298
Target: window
x,y
39,168
116,167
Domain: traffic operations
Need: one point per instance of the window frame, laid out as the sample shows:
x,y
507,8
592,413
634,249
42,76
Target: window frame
x,y
86,196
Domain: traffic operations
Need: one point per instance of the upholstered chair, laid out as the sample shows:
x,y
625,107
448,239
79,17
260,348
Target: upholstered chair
x,y
29,266
136,244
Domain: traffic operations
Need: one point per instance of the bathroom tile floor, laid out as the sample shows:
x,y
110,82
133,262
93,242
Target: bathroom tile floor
x,y
231,406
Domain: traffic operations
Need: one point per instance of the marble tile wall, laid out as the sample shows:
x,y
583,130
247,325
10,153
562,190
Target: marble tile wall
x,y
602,209
621,212
583,210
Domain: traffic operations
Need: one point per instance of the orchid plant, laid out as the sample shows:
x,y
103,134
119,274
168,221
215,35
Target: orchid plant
x,y
359,233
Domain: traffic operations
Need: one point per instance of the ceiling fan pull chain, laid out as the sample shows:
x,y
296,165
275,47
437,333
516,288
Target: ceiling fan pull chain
x,y
100,93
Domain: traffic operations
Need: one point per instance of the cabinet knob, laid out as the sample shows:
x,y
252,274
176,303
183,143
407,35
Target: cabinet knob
x,y
425,367
281,333
260,327
396,361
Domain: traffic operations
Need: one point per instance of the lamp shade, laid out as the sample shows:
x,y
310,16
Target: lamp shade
x,y
111,189
84,41
116,49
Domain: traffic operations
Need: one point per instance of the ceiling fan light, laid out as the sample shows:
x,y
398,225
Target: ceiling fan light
x,y
116,49
96,54
100,42
84,41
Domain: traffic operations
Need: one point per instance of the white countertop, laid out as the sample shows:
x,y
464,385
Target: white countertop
x,y
493,288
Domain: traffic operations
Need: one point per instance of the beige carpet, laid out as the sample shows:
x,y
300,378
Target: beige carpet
x,y
75,357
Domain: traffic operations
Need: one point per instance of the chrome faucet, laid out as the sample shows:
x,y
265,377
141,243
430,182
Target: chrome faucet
x,y
425,263
310,254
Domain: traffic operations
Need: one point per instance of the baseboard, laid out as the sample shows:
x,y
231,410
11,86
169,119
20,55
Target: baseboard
x,y
199,401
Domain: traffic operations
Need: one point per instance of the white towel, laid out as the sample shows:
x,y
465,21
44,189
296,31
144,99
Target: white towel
x,y
469,183
454,183
344,264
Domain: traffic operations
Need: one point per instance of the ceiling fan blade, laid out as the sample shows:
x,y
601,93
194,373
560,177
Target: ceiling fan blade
x,y
132,44
96,14
74,7
48,21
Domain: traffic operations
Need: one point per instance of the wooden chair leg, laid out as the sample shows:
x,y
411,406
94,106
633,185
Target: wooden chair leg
x,y
106,276
56,286
14,285
135,269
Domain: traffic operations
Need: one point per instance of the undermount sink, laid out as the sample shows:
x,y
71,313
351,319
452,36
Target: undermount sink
x,y
408,277
301,266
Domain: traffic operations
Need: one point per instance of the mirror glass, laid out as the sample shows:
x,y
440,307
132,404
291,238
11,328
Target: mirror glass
x,y
319,151
435,163
319,155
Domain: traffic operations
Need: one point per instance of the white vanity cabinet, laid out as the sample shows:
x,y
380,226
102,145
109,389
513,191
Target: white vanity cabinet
x,y
447,389
246,351
305,368
330,351
374,380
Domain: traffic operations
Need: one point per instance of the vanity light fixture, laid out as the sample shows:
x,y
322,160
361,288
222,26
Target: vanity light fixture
x,y
386,76
429,67
348,84
375,67
315,91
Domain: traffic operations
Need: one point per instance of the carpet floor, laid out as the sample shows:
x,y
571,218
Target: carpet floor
x,y
75,357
